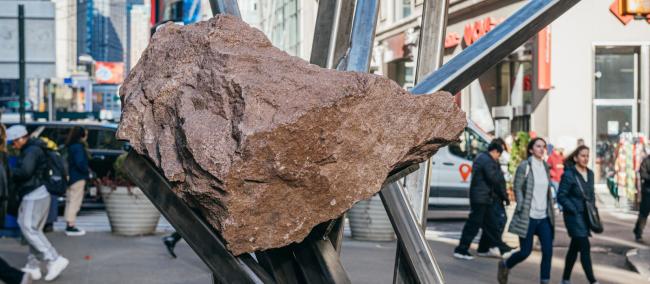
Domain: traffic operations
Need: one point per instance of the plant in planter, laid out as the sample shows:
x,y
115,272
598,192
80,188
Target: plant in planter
x,y
130,213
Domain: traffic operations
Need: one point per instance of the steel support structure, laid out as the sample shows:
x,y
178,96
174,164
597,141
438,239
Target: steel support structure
x,y
315,259
431,47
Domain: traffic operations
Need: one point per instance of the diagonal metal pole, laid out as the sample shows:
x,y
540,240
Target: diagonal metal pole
x,y
229,7
430,57
465,67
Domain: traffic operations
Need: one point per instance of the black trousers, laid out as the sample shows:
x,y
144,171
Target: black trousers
x,y
9,274
644,210
481,217
501,219
579,245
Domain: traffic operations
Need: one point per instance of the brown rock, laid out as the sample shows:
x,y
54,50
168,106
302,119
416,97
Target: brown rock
x,y
264,144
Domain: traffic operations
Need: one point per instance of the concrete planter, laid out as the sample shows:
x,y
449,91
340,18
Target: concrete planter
x,y
369,222
130,213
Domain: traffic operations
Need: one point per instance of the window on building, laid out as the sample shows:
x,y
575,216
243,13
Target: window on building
x,y
403,9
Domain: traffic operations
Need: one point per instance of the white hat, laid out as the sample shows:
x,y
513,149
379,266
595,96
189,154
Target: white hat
x,y
16,132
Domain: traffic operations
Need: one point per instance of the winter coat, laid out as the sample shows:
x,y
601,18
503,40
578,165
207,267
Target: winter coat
x,y
487,182
556,164
573,202
77,163
524,184
32,167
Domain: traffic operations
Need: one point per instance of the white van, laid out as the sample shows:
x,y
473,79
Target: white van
x,y
451,169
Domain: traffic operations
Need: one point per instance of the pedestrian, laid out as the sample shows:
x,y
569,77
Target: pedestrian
x,y
576,184
556,163
79,172
5,196
486,176
500,198
644,208
35,203
170,242
11,275
534,212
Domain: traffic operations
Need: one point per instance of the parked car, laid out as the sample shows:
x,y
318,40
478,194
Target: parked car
x,y
104,148
451,171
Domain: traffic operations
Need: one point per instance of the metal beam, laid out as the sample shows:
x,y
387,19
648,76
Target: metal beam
x,y
207,244
363,35
410,235
229,7
332,32
465,67
430,57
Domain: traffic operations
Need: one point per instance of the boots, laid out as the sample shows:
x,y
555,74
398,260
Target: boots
x,y
638,228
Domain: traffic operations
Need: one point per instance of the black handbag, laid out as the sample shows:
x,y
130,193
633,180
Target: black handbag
x,y
592,212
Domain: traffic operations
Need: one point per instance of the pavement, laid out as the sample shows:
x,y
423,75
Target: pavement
x,y
100,257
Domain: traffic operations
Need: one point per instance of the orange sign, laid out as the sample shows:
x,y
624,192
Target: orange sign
x,y
479,28
452,40
615,8
634,7
465,171
544,59
109,72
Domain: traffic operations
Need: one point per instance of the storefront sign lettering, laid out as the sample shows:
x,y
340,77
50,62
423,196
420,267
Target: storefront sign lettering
x,y
479,28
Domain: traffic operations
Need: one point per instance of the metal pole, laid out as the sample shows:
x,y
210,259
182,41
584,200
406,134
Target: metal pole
x,y
229,7
465,67
21,62
411,237
430,57
363,35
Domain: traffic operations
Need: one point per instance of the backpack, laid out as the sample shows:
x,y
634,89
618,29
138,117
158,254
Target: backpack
x,y
55,178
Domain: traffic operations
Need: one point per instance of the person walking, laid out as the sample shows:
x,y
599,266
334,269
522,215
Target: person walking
x,y
170,242
35,203
500,198
11,275
5,196
79,173
534,212
556,163
576,184
486,176
644,208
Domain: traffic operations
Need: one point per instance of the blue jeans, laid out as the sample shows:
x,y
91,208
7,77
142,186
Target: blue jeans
x,y
544,231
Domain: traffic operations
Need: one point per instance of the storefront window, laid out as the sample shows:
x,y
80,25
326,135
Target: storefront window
x,y
615,114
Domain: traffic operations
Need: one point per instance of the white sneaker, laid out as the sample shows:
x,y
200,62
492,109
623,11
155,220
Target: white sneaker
x,y
492,252
54,268
34,272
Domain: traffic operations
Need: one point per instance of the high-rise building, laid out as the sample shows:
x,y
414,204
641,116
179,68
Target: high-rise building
x,y
138,32
102,29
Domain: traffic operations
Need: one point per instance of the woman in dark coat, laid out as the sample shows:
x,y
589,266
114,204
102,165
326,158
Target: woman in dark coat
x,y
577,178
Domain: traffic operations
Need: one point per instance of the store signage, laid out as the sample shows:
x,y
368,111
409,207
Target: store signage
x,y
476,30
109,72
452,40
544,59
634,7
615,8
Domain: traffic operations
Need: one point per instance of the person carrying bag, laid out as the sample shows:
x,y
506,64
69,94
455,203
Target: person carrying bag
x,y
577,197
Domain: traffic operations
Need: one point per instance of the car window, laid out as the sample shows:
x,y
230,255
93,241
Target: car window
x,y
56,134
106,140
470,145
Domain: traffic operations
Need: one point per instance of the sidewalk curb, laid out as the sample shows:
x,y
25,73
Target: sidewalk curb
x,y
639,260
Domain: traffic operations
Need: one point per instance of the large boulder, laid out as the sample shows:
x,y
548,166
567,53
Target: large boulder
x,y
264,144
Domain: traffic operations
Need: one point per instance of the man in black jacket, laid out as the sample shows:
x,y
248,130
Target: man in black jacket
x,y
29,178
644,172
485,188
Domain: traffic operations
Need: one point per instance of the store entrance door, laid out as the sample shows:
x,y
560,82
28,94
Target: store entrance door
x,y
615,113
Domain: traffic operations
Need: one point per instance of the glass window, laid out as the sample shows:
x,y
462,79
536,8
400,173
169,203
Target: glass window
x,y
403,9
106,140
470,145
615,76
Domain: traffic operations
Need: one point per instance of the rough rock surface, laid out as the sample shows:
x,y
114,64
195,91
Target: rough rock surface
x,y
264,144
